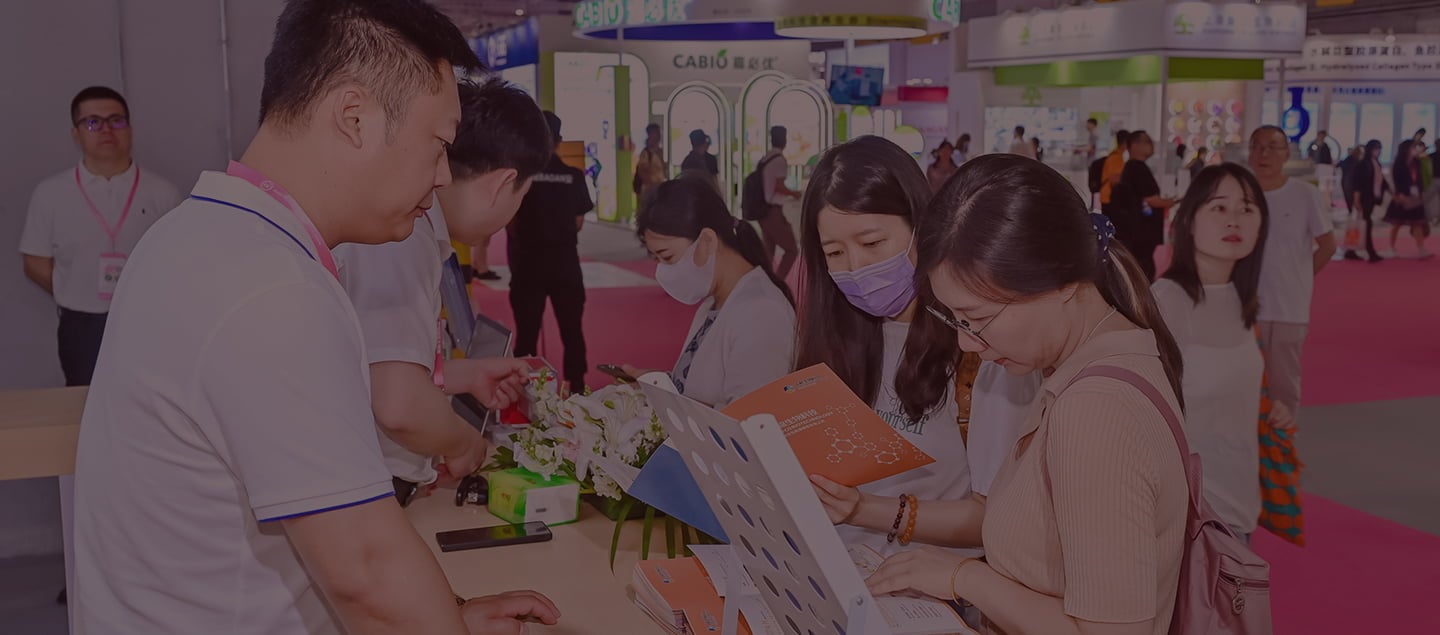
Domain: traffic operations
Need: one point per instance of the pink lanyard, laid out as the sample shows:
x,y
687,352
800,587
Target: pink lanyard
x,y
254,177
112,233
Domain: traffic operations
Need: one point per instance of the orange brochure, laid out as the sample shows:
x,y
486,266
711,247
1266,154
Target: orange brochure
x,y
832,431
681,587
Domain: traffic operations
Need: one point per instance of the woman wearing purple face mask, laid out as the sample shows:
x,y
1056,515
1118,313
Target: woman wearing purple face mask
x,y
743,335
865,318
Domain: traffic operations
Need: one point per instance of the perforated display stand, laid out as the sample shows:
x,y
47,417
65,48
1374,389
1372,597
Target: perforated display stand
x,y
778,528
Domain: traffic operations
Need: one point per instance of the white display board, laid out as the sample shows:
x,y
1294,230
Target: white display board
x,y
754,483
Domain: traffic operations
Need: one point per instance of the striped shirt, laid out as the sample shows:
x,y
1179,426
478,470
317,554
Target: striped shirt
x,y
1110,542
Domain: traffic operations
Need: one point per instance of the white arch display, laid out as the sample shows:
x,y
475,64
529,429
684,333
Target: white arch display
x,y
715,117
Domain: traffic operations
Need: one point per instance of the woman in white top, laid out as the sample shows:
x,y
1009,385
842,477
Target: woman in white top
x,y
743,335
865,318
1209,300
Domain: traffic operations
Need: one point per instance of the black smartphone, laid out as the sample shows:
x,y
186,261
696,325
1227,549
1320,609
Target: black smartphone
x,y
616,372
499,535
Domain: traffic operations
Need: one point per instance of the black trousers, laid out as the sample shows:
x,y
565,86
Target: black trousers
x,y
79,338
1367,213
564,286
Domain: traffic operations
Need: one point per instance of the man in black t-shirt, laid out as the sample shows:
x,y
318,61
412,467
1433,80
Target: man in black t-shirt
x,y
700,162
545,260
1138,209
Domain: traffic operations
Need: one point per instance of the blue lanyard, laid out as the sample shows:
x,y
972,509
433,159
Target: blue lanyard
x,y
259,216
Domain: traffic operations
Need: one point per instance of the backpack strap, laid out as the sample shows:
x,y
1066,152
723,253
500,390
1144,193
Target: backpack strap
x,y
1193,476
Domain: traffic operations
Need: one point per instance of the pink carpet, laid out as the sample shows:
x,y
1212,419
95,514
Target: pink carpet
x,y
1357,574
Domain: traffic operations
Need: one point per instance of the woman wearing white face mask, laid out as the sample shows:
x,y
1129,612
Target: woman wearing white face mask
x,y
743,335
866,319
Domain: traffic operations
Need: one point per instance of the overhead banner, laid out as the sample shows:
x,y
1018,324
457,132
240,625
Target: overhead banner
x,y
592,16
1139,27
1363,58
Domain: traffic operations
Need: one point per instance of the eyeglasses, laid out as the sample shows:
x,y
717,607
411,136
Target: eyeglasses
x,y
963,326
94,123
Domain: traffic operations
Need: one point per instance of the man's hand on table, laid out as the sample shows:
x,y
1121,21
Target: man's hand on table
x,y
461,462
507,613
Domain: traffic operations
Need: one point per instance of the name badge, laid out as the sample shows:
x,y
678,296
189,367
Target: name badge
x,y
110,267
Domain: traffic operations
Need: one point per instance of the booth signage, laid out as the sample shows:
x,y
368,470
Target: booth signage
x,y
511,47
1137,27
887,21
1364,58
612,13
945,11
722,60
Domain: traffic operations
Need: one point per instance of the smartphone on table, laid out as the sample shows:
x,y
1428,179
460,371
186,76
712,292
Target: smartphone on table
x,y
497,536
616,372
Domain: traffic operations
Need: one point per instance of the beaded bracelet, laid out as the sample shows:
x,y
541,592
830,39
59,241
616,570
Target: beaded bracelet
x,y
900,514
910,526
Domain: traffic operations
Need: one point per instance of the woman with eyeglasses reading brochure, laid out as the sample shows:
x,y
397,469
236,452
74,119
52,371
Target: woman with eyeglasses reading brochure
x,y
1084,526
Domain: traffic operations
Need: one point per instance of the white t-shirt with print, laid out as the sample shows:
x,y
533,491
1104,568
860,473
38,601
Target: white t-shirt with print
x,y
232,392
395,288
1298,215
999,402
937,434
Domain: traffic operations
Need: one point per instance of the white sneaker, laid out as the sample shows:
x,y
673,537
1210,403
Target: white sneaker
x,y
1424,255
1388,253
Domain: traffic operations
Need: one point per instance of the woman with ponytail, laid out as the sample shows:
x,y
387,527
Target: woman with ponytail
x,y
743,335
1084,526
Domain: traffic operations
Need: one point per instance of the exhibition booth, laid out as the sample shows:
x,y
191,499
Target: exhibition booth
x,y
1357,88
730,68
1187,72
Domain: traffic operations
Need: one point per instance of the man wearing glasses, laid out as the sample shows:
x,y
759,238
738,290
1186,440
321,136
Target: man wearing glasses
x,y
84,221
1300,242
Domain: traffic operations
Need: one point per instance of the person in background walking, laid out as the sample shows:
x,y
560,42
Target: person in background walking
x,y
1037,149
944,166
650,167
1407,207
1139,209
962,149
777,231
84,221
1092,139
1298,246
1367,188
1319,150
700,162
1111,169
1020,146
1197,163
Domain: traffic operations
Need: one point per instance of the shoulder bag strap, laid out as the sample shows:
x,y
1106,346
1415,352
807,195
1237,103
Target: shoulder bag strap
x,y
1192,475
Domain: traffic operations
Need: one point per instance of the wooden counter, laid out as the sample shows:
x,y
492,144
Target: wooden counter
x,y
573,569
38,431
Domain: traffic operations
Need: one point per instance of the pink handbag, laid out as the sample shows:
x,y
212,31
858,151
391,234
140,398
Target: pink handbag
x,y
1224,586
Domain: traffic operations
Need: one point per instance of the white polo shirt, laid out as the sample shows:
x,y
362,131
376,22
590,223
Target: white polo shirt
x,y
232,391
395,288
60,225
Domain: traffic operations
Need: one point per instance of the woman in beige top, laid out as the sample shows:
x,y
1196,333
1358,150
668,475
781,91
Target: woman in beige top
x,y
1031,281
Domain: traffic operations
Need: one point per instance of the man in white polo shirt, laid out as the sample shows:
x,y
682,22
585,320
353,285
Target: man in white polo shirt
x,y
229,476
1300,244
85,220
502,141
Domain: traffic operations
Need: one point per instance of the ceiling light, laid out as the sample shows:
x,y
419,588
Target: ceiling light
x,y
519,12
